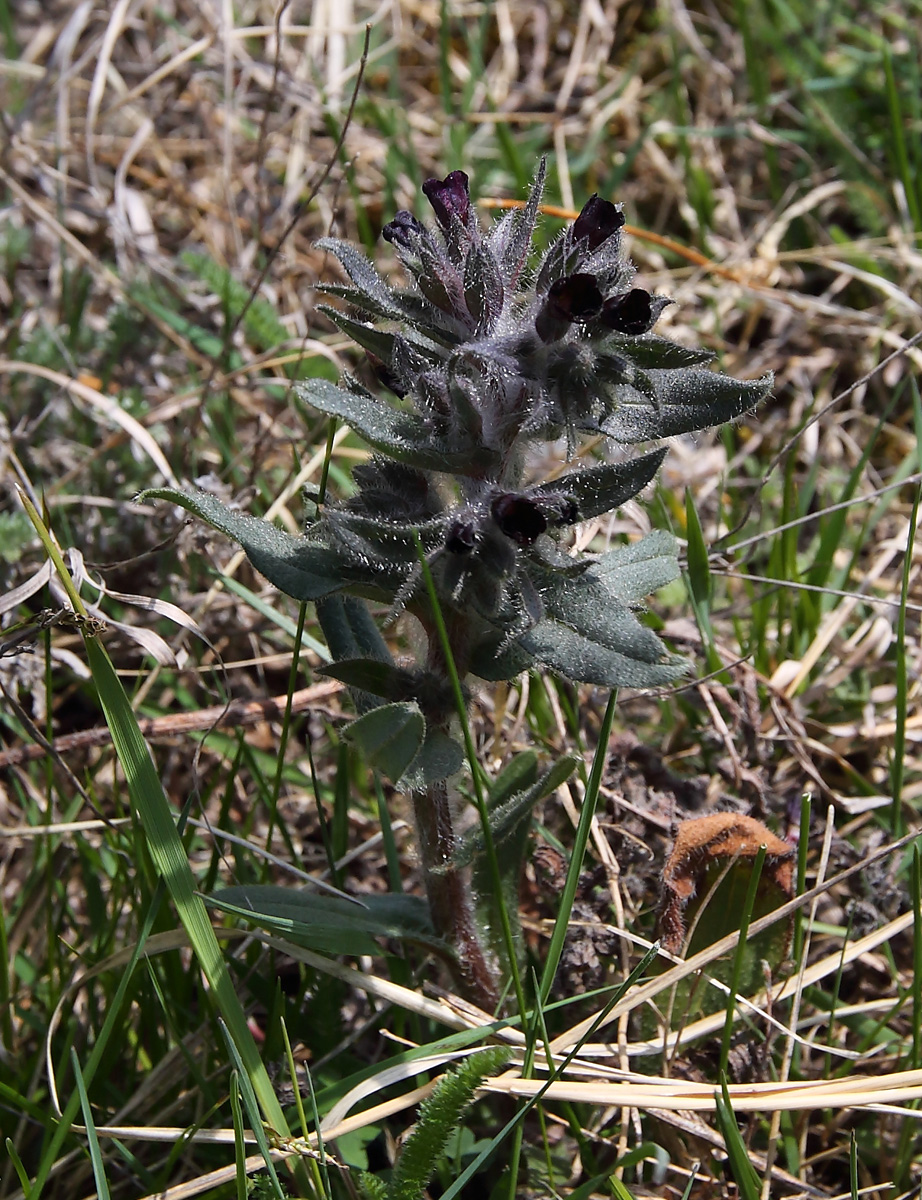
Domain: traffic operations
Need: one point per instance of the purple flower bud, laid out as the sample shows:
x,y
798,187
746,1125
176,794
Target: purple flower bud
x,y
573,298
449,197
519,517
632,313
597,221
403,230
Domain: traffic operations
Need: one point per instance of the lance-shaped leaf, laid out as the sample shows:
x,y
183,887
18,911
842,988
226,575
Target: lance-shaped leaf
x,y
379,678
389,737
588,607
602,489
402,435
508,817
384,343
363,275
327,923
511,238
352,634
296,566
643,662
657,353
638,569
483,288
684,401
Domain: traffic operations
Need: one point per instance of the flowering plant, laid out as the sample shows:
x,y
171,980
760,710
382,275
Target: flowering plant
x,y
486,357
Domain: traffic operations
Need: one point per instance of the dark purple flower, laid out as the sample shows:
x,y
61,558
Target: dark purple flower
x,y
462,537
597,221
573,298
519,517
403,230
633,312
449,197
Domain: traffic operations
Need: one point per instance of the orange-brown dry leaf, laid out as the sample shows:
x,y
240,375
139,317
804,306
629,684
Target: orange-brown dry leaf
x,y
719,838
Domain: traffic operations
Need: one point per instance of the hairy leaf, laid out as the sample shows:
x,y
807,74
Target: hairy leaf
x,y
602,489
685,401
643,661
296,566
389,737
402,435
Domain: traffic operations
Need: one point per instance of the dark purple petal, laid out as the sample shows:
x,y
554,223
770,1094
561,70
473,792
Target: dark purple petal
x,y
403,230
632,313
597,221
462,537
573,298
519,517
449,197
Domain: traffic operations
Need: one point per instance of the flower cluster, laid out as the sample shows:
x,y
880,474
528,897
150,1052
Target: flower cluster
x,y
488,356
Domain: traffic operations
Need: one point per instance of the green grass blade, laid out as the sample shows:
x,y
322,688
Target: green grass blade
x,y
251,1105
741,1168
581,841
740,954
163,841
240,1152
99,1169
897,768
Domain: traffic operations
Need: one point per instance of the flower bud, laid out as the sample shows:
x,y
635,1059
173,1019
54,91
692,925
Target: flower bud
x,y
403,230
632,313
450,197
597,222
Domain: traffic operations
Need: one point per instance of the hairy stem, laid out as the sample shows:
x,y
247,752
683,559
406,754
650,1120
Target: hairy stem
x,y
449,895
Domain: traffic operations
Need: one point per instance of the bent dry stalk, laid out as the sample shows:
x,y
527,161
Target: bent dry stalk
x,y
487,357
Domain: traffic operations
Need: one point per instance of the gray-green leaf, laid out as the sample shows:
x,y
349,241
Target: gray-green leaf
x,y
296,566
402,435
389,737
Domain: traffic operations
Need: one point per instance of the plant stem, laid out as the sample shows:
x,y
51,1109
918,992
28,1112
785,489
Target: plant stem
x,y
450,900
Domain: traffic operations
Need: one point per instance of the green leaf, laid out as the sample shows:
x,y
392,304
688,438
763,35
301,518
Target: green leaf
x,y
297,567
603,488
389,737
366,279
517,775
326,923
370,675
643,662
384,343
638,569
589,607
352,635
699,571
684,401
402,435
656,353
439,758
509,818
491,663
